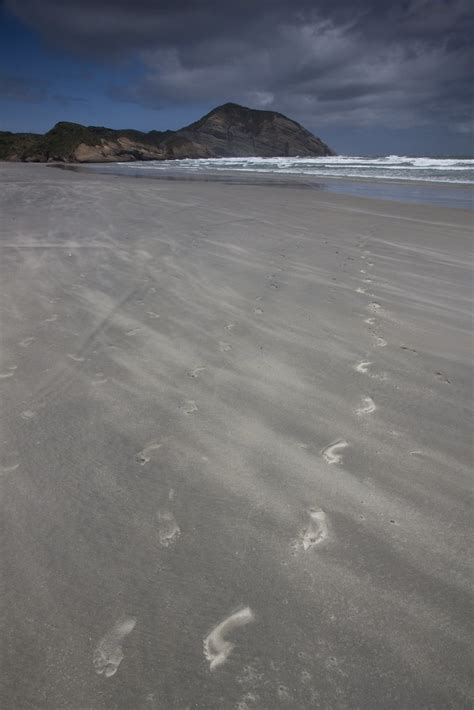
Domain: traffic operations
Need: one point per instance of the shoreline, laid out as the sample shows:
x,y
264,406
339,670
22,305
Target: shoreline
x,y
458,195
391,208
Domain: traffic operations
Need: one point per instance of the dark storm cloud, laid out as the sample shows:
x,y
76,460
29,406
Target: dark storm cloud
x,y
397,64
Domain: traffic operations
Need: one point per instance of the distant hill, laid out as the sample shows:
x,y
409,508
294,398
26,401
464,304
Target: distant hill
x,y
226,131
235,131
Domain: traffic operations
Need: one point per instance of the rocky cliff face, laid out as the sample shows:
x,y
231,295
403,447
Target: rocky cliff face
x,y
235,131
71,142
227,131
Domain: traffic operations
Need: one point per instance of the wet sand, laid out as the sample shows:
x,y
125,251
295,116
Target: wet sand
x,y
236,450
412,191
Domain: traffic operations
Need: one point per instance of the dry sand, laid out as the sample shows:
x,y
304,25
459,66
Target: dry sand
x,y
235,423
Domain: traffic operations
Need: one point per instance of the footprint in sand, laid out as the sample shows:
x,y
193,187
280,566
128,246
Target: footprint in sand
x,y
168,529
216,648
76,358
8,469
229,327
28,414
189,407
363,366
6,375
316,531
152,314
284,694
370,321
368,281
52,319
247,702
195,373
224,347
132,331
368,406
380,342
101,379
144,456
258,311
26,342
361,290
442,377
108,655
331,453
374,307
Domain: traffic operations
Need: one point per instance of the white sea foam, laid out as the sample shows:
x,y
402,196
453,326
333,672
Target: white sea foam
x,y
391,167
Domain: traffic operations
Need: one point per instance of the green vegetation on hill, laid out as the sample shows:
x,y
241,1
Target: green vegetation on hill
x,y
16,144
62,140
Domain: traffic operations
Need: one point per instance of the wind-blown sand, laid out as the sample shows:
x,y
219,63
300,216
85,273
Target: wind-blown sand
x,y
232,397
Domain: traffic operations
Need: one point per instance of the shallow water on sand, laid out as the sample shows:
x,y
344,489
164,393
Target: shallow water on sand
x,y
447,194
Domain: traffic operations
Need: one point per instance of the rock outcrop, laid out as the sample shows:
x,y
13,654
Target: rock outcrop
x,y
235,131
227,131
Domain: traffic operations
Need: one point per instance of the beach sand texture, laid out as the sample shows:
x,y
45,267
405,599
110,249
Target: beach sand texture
x,y
236,447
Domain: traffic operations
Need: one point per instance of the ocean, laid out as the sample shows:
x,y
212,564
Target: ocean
x,y
424,180
391,167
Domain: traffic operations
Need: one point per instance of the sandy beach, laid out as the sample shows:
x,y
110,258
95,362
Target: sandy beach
x,y
236,447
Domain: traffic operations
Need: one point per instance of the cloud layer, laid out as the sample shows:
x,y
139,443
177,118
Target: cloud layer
x,y
396,64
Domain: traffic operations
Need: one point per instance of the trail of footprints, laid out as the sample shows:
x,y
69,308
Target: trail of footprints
x,y
316,532
217,644
333,453
374,309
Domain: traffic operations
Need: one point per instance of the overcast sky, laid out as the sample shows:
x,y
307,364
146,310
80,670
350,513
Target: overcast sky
x,y
370,77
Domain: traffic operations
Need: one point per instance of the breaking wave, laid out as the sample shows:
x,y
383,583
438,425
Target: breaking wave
x,y
390,167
